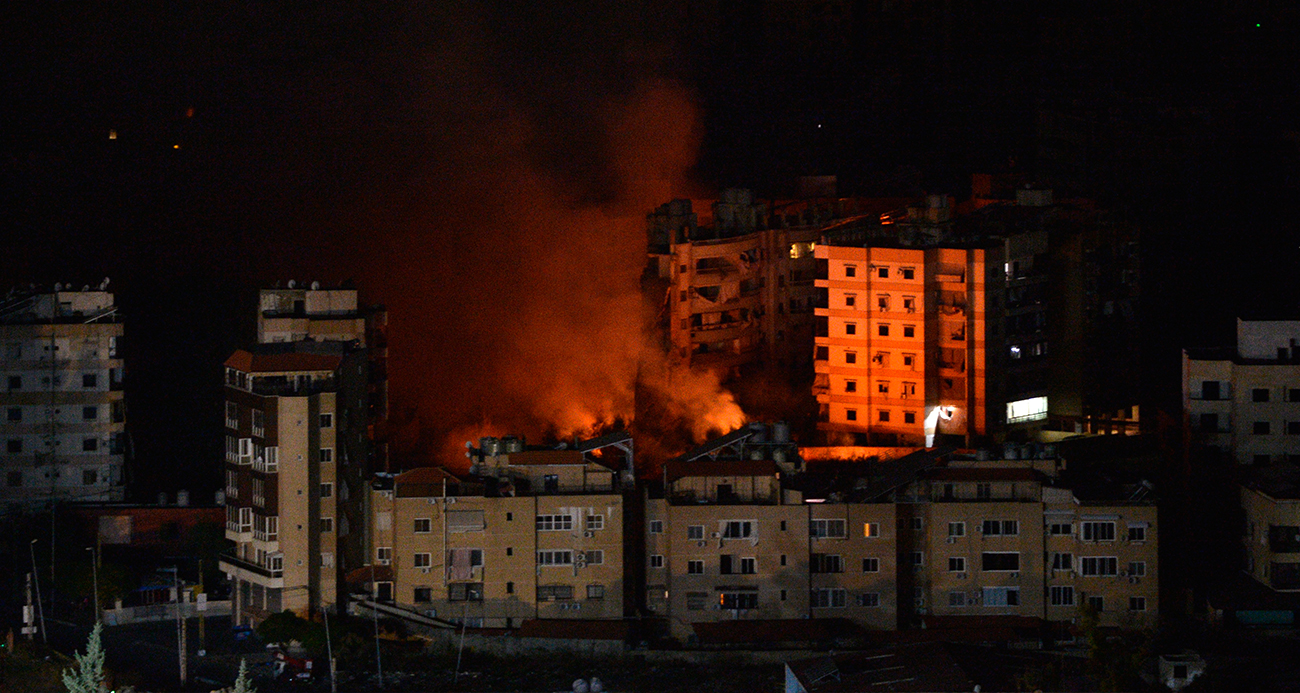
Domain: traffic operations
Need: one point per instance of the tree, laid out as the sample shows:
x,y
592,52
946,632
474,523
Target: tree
x,y
242,684
89,676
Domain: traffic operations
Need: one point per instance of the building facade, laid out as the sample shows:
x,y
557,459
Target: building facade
x,y
1245,401
64,413
1271,536
304,409
529,534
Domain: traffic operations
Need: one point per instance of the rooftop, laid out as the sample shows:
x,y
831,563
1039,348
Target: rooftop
x,y
249,362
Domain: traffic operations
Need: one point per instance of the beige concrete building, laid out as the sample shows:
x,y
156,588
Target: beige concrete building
x,y
529,534
64,413
1245,401
1271,540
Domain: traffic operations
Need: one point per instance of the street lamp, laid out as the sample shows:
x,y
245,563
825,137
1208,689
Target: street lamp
x,y
94,569
39,609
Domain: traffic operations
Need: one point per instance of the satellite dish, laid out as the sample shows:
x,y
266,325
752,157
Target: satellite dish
x,y
293,284
315,286
103,286
85,287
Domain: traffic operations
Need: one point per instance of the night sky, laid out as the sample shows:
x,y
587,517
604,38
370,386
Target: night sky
x,y
483,168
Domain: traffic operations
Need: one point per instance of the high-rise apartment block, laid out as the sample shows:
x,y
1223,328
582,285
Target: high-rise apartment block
x,y
1245,401
300,415
64,412
530,533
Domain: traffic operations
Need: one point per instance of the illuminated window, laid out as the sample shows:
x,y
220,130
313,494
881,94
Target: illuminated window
x,y
871,530
1031,409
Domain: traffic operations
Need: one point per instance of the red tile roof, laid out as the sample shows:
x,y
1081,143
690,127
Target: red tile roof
x,y
698,468
249,362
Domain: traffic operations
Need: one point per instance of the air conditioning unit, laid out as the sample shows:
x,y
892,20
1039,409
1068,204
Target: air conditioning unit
x,y
588,534
425,570
717,535
701,544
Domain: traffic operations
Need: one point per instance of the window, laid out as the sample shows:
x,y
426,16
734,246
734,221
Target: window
x,y
259,423
695,532
883,415
326,455
383,555
1060,529
909,304
551,482
563,523
850,270
726,564
1210,422
14,414
1137,603
956,529
1061,595
748,565
870,530
908,360
882,272
89,444
15,382
869,599
908,273
1292,427
871,565
423,595
882,329
422,560
656,526
909,331
957,599
918,559
594,557
739,600
834,529
882,386
983,491
595,522
956,564
326,559
882,302
994,528
850,386
909,417
851,414
595,591
1260,428
1293,394
549,593
1001,596
656,561
1000,561
327,489
89,380
14,446
1137,533
850,357
327,524
327,421
850,328
1137,568
825,563
822,353
829,598
1099,531
1259,394
850,300
469,592
89,477
555,557
917,524
782,559
1098,566
695,567
1062,561
737,529
1097,604
423,525
14,479
697,601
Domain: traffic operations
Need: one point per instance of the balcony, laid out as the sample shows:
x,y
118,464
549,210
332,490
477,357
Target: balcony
x,y
239,565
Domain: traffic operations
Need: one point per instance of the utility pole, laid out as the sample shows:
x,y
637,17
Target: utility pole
x,y
94,569
29,613
329,645
39,609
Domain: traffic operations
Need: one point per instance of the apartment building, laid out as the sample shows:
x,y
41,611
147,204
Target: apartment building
x,y
64,413
1271,537
900,351
740,531
529,533
1245,401
737,288
1017,538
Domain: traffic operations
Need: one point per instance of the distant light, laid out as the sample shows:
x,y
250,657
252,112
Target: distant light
x,y
1257,26
112,134
189,112
176,146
